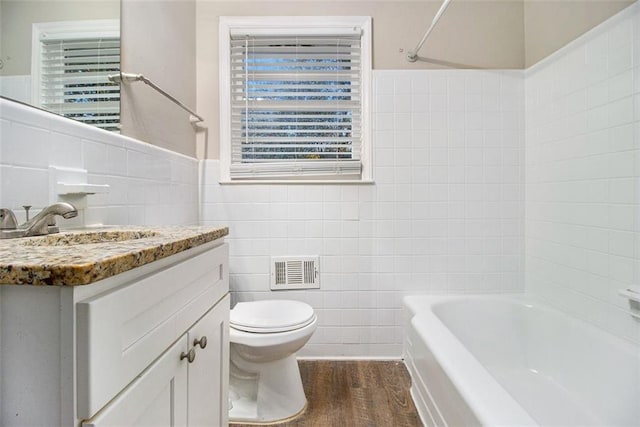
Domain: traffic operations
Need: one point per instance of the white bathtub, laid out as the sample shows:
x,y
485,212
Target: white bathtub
x,y
512,361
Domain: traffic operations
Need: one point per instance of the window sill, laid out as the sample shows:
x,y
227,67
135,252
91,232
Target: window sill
x,y
298,182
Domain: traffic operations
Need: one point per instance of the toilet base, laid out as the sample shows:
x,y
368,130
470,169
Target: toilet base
x,y
265,393
248,408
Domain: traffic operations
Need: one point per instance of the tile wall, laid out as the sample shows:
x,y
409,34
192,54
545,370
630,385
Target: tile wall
x,y
445,214
149,185
583,175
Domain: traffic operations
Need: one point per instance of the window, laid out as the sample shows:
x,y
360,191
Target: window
x,y
295,98
69,67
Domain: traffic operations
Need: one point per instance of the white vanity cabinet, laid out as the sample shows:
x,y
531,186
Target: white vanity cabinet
x,y
186,386
124,351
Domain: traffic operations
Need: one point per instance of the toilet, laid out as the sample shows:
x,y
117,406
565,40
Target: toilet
x,y
264,382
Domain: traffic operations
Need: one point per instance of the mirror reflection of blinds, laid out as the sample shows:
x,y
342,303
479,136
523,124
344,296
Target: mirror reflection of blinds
x,y
74,80
295,106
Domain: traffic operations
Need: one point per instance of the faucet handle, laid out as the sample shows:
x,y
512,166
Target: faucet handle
x,y
26,211
7,219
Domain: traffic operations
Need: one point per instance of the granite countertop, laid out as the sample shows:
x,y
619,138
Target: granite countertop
x,y
81,257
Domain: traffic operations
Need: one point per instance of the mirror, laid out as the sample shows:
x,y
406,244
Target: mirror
x,y
56,55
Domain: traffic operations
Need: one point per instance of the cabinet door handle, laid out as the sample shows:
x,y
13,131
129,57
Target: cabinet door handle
x,y
202,342
190,356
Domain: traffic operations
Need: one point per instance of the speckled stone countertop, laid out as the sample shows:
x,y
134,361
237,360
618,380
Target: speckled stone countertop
x,y
81,257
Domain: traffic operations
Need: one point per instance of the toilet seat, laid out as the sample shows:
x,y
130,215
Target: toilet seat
x,y
271,316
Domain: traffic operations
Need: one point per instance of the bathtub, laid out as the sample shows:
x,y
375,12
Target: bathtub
x,y
510,360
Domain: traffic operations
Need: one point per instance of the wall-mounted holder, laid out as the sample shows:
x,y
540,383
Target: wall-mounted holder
x,y
72,185
632,293
121,78
81,189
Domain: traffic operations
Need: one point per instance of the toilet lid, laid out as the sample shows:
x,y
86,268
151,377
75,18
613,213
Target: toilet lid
x,y
271,316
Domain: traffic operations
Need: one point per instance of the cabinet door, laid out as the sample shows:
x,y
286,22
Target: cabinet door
x,y
156,398
209,373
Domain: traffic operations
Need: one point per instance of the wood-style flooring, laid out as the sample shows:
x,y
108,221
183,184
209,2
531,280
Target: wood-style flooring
x,y
354,394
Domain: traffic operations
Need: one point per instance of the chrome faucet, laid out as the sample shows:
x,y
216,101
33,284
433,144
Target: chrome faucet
x,y
41,223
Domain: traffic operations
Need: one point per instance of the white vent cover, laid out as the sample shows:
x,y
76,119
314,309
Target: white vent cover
x,y
299,272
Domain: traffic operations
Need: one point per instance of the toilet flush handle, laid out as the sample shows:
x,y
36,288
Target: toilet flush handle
x,y
202,342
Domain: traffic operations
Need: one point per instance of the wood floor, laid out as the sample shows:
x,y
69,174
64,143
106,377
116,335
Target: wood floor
x,y
354,394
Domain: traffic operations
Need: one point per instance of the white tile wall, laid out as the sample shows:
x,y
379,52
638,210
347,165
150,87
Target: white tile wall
x,y
583,175
445,214
149,185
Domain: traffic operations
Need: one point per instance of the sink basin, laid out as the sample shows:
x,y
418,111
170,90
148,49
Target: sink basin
x,y
83,238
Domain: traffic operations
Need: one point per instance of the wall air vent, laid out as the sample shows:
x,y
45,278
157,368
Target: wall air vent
x,y
295,272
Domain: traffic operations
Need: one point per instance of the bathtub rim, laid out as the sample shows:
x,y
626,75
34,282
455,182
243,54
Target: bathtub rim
x,y
495,406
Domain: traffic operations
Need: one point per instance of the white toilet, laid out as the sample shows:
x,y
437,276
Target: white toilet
x,y
264,383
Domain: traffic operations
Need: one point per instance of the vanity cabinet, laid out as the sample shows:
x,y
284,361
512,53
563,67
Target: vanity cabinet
x,y
186,386
123,351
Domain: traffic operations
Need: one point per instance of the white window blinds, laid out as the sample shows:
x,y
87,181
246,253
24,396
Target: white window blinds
x,y
71,63
296,105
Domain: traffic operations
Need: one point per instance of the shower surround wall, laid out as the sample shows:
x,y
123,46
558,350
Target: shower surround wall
x,y
446,213
583,175
149,185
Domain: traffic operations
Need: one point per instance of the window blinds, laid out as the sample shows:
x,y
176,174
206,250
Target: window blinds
x,y
73,76
296,105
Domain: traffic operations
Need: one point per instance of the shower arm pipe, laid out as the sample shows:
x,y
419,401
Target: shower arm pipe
x,y
130,78
412,56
